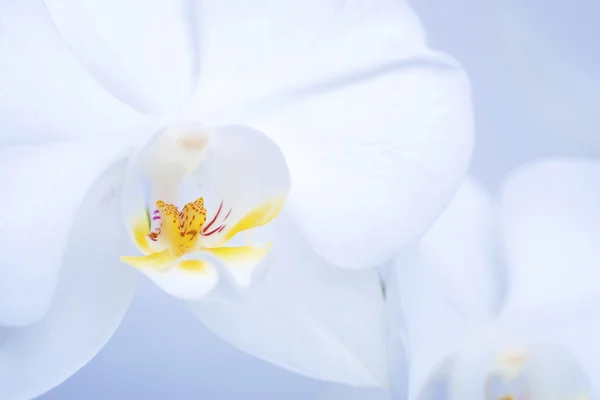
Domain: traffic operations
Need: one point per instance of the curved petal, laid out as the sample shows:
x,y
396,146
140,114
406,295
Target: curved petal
x,y
436,385
460,248
94,290
450,283
551,223
40,198
473,373
307,316
555,374
142,51
248,176
383,168
46,93
342,392
251,51
578,331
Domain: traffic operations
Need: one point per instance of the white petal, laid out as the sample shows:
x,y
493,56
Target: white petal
x,y
93,292
459,250
385,167
437,385
246,171
551,226
142,51
474,360
183,283
40,199
46,93
307,316
249,51
449,285
343,392
555,374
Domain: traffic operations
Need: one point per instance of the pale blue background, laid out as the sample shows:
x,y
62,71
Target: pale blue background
x,y
162,352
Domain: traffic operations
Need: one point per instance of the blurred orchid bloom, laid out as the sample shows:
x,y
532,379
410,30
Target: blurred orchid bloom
x,y
528,332
205,142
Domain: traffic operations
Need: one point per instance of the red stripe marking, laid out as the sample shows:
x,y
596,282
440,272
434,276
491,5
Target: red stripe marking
x,y
207,227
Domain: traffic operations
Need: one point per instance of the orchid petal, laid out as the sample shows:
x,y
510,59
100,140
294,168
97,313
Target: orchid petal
x,y
474,359
551,223
574,330
555,374
187,279
40,198
46,94
245,182
254,51
142,51
459,249
306,316
91,297
450,283
437,383
384,167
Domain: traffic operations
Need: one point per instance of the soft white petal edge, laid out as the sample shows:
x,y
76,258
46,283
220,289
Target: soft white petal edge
x,y
384,167
459,249
255,52
449,282
43,188
143,51
46,94
573,331
307,316
551,228
381,169
93,292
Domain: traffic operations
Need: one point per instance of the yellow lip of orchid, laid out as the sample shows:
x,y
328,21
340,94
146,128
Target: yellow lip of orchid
x,y
245,178
181,232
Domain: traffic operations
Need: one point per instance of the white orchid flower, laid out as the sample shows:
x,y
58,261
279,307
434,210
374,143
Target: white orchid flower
x,y
540,344
207,145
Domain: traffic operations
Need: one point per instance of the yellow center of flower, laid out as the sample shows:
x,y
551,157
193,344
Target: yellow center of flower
x,y
182,232
237,169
